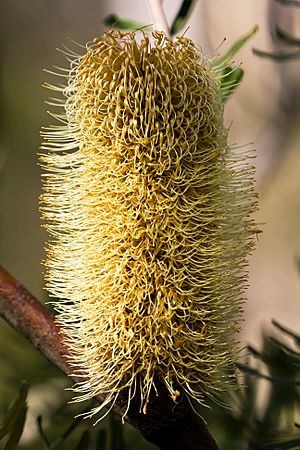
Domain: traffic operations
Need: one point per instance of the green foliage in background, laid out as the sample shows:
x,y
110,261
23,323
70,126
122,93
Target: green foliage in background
x,y
289,2
262,411
272,372
247,423
230,76
283,37
12,425
123,23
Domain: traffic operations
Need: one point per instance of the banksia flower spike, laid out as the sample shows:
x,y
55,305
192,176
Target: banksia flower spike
x,y
150,216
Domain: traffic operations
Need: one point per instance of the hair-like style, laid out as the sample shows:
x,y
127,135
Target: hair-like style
x,y
149,213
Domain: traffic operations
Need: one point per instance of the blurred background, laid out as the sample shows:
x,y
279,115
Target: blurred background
x,y
264,114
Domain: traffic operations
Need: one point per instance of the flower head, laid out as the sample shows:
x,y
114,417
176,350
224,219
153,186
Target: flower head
x,y
149,212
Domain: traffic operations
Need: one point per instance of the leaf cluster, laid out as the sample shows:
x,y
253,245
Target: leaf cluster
x,y
283,37
12,425
230,75
123,23
75,433
262,412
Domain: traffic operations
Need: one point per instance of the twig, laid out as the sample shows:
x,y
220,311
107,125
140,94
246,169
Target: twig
x,y
169,427
158,16
32,320
35,322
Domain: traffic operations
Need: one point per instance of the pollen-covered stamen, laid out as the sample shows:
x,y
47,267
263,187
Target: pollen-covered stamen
x,y
149,213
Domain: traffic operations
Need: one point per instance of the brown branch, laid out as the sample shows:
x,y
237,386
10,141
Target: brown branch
x,y
32,320
169,427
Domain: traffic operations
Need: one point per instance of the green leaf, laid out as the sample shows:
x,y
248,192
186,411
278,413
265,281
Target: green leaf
x,y
276,445
16,412
42,434
277,56
60,440
74,424
181,16
294,355
286,37
101,439
297,261
84,441
288,332
227,57
277,380
230,79
114,436
289,2
17,430
122,23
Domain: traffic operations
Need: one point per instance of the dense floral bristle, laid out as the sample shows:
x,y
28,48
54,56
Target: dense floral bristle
x,y
150,216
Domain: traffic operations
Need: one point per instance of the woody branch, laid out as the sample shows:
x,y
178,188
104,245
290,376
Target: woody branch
x,y
36,323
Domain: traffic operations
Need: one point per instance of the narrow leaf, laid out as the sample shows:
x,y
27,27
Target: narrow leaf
x,y
277,56
288,332
257,373
297,261
289,2
112,433
74,424
17,408
84,441
294,356
255,352
231,77
182,16
17,430
60,440
116,430
42,434
286,37
101,439
235,48
122,23
275,445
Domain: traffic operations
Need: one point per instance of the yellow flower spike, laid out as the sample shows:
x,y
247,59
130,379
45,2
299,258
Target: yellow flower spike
x,y
149,213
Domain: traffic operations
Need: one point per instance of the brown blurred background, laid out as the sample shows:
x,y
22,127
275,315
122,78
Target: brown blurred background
x,y
264,113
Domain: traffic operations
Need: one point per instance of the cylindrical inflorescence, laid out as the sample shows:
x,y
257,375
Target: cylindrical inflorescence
x,y
149,213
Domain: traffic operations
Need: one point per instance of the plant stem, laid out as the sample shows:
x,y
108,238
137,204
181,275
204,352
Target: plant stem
x,y
168,426
32,320
158,16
